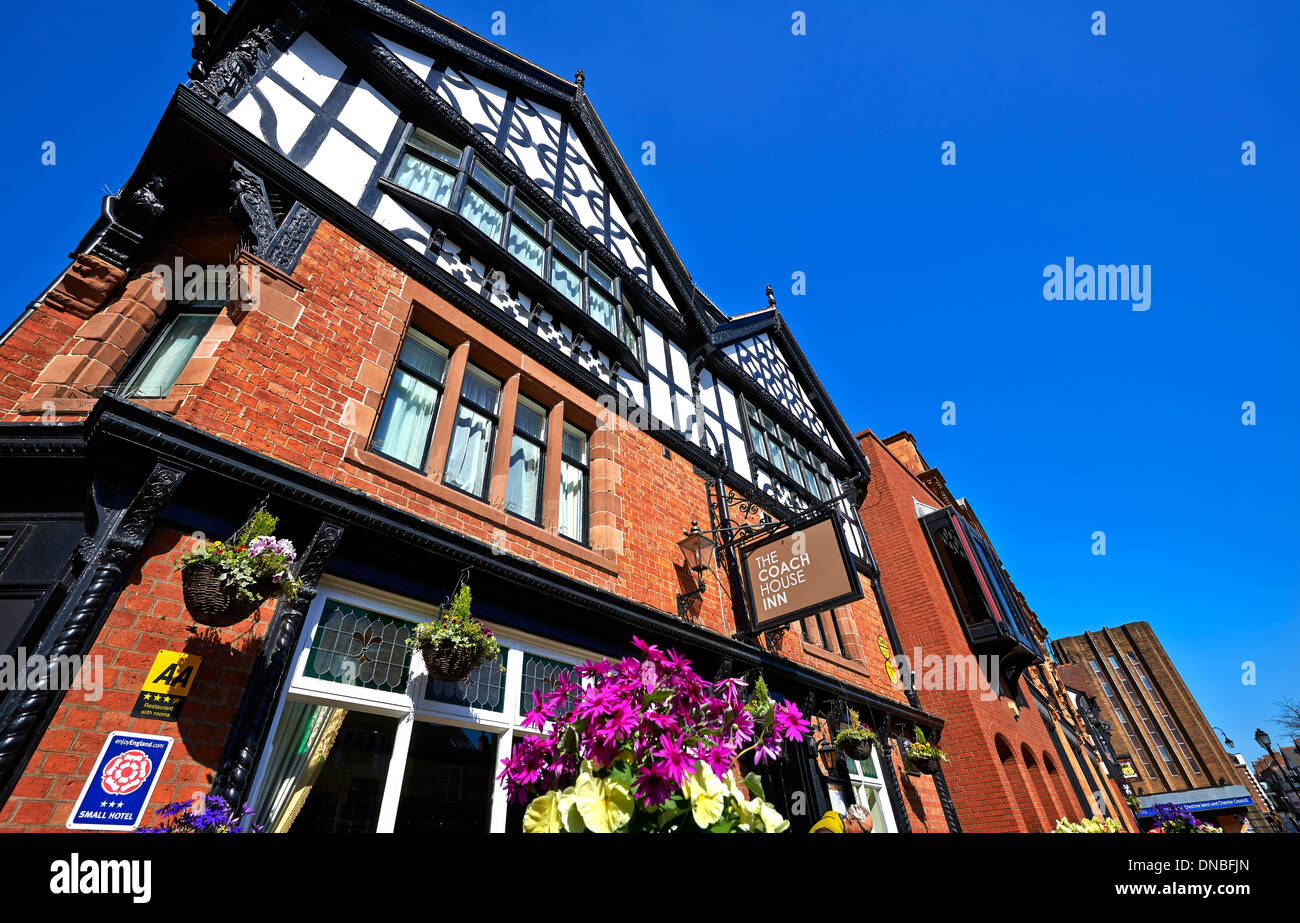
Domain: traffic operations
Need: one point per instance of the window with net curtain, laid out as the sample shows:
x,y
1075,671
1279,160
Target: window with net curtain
x,y
471,436
573,484
170,354
406,422
527,461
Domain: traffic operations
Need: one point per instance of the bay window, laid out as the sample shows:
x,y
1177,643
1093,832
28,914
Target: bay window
x,y
786,458
406,422
472,435
979,590
427,167
431,170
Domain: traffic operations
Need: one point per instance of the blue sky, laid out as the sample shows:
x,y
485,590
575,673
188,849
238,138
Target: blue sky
x,y
820,153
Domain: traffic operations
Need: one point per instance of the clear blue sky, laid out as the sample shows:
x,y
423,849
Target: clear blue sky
x,y
820,153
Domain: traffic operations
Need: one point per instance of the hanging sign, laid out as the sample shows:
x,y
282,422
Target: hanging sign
x,y
117,792
1127,769
798,572
166,685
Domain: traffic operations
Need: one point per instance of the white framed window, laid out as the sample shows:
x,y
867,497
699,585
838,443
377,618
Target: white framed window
x,y
869,791
364,741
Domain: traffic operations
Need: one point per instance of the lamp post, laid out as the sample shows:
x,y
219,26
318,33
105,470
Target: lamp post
x,y
697,548
1227,741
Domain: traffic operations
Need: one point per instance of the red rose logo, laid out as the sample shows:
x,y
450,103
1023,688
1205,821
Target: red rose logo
x,y
125,772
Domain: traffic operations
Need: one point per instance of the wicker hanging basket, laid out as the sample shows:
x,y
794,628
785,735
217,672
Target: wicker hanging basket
x,y
857,748
216,604
449,663
926,767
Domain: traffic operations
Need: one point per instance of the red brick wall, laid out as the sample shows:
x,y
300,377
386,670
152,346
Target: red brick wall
x,y
989,795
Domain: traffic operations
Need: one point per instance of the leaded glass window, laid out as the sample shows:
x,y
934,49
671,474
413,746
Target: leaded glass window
x,y
540,676
485,688
358,647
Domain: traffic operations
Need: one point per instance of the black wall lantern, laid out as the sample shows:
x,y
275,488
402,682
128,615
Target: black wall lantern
x,y
698,549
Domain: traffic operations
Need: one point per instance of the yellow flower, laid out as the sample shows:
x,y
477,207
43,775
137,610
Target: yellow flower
x,y
605,804
707,795
543,815
773,822
569,815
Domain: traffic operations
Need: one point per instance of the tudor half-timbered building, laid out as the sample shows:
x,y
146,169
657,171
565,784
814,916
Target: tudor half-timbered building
x,y
396,285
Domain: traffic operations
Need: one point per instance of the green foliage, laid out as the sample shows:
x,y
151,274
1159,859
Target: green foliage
x,y
922,749
256,563
854,731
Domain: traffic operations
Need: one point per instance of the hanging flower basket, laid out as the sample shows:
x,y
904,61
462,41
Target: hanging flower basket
x,y
926,766
218,604
855,741
454,643
225,582
857,748
923,756
448,662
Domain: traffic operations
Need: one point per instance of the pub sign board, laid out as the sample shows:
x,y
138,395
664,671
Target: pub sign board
x,y
799,572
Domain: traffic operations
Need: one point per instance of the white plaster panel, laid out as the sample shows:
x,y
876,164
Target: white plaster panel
x,y
310,68
369,115
288,118
342,166
402,223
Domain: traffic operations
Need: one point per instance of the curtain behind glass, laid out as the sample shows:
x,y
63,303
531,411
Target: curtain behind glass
x,y
467,460
571,501
303,742
522,483
425,179
160,371
403,429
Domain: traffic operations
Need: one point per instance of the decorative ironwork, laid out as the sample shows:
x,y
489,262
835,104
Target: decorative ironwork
x,y
72,634
271,669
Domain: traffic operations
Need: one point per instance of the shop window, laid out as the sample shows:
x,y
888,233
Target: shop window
x,y
449,780
573,484
405,425
166,353
468,459
867,790
382,755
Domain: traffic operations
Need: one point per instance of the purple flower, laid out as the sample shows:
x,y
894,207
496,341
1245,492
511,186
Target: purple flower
x,y
675,762
789,722
768,748
654,785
